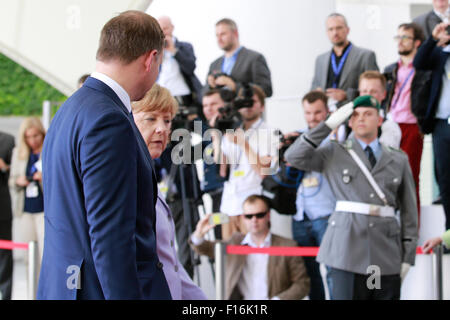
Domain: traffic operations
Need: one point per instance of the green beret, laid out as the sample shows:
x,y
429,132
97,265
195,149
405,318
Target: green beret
x,y
366,101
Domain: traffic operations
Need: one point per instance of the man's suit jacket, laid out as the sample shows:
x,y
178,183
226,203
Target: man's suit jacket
x,y
358,61
431,57
99,195
6,149
287,277
250,67
428,21
186,60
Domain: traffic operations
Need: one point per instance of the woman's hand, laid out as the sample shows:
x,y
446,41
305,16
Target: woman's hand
x,y
22,181
37,176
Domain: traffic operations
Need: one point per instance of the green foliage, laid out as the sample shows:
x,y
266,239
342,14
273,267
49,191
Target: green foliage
x,y
21,92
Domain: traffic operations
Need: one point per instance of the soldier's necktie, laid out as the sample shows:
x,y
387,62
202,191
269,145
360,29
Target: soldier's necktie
x,y
371,156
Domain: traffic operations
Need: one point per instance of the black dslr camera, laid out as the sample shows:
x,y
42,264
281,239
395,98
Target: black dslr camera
x,y
230,118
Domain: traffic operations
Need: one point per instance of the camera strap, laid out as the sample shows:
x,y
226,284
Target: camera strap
x,y
394,104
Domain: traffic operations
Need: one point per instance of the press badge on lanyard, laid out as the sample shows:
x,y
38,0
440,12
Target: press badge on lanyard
x,y
239,173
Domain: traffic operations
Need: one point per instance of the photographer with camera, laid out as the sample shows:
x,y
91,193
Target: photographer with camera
x,y
212,182
315,200
238,65
248,151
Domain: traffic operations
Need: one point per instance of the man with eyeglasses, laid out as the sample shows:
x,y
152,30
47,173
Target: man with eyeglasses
x,y
403,85
257,276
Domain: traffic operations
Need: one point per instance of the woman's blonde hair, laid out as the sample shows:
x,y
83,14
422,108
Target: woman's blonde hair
x,y
157,99
30,122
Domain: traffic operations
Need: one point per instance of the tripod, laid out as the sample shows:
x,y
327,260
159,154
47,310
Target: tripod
x,y
190,212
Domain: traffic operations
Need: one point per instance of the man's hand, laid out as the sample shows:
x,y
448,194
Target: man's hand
x,y
211,81
430,244
226,81
336,94
203,227
440,34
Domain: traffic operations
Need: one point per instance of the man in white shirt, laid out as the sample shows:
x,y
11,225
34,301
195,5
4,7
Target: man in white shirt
x,y
248,151
257,276
178,68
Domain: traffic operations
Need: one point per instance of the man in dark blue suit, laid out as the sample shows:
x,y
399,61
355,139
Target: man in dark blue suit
x,y
99,184
178,68
434,55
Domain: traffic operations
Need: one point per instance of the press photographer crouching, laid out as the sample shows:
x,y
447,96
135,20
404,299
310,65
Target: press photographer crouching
x,y
247,153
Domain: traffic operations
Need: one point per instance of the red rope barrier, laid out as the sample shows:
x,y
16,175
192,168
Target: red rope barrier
x,y
282,251
9,245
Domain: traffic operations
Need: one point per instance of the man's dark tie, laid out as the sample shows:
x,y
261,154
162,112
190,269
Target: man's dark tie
x,y
371,156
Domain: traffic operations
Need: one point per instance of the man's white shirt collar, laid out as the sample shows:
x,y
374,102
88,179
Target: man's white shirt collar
x,y
248,241
444,17
117,88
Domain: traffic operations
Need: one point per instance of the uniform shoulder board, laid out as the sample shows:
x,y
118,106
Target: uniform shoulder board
x,y
394,149
348,144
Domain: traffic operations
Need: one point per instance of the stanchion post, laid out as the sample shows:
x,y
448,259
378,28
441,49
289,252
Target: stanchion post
x,y
46,113
32,270
219,253
439,251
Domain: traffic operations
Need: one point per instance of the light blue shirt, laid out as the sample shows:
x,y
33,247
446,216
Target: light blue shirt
x,y
374,145
316,201
443,111
229,62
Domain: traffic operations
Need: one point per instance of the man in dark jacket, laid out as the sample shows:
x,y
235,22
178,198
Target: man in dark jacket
x,y
434,55
178,67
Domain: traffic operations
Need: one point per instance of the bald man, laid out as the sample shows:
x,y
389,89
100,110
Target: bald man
x,y
178,66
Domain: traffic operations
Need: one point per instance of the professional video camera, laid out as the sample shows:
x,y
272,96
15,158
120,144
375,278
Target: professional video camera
x,y
286,142
230,118
181,120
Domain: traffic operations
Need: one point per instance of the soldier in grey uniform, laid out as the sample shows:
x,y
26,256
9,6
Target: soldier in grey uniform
x,y
371,238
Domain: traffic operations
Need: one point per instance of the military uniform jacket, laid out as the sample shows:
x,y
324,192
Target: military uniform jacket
x,y
354,241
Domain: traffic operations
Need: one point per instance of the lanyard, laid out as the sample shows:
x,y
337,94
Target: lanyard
x,y
337,69
401,88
